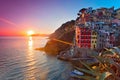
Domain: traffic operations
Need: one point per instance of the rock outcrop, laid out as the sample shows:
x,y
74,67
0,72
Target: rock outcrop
x,y
64,33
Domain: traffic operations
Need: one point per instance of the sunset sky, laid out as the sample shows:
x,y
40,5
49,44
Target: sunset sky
x,y
42,16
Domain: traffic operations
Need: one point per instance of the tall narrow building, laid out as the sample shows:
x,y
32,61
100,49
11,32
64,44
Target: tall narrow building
x,y
83,37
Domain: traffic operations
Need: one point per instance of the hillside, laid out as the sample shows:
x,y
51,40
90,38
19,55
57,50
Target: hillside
x,y
64,33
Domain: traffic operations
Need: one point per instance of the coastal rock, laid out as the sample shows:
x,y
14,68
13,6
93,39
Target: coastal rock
x,y
64,33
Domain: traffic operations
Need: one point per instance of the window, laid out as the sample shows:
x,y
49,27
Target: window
x,y
100,46
81,41
81,45
94,46
82,37
78,36
84,41
78,41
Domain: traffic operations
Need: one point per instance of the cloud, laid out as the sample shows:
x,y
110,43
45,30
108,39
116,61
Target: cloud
x,y
7,21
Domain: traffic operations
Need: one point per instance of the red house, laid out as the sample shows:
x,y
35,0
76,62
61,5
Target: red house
x,y
83,37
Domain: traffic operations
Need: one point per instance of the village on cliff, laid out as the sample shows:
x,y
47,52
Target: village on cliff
x,y
97,29
91,43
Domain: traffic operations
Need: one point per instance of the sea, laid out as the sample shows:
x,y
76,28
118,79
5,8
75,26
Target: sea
x,y
20,61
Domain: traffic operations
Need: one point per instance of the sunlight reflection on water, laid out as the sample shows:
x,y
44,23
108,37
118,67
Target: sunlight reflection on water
x,y
19,61
30,43
30,74
30,56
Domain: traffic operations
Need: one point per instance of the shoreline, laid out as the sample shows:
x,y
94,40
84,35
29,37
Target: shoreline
x,y
69,60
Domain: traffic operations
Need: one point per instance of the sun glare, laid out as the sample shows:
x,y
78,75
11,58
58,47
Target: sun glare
x,y
30,32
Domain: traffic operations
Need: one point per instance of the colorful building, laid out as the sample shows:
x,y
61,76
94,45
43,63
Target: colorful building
x,y
96,29
83,37
86,37
102,40
93,39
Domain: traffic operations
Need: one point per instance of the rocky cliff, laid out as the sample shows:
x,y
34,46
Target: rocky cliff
x,y
64,33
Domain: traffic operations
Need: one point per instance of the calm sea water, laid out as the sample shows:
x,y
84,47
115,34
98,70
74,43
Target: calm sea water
x,y
19,60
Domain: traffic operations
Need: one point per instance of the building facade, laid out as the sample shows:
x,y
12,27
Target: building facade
x,y
94,39
96,29
83,37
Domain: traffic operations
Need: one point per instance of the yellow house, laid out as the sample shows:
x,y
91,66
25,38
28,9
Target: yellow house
x,y
93,39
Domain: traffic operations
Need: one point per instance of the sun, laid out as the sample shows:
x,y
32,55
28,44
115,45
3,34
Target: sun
x,y
30,32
